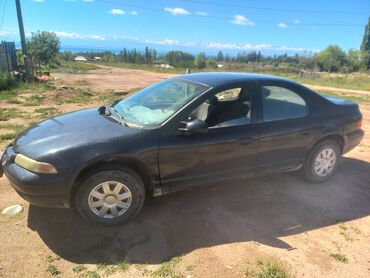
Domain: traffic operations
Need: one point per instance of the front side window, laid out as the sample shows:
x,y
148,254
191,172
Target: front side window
x,y
279,103
227,108
152,106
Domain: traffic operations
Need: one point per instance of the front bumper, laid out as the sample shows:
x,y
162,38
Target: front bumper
x,y
44,190
353,139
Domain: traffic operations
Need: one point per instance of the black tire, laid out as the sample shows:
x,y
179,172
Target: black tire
x,y
123,175
308,169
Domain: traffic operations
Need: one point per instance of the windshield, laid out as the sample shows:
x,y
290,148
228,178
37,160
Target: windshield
x,y
152,106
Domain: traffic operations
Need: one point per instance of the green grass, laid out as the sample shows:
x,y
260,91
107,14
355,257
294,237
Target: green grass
x,y
110,269
7,95
14,129
80,96
7,137
348,96
354,81
6,81
34,100
48,111
339,257
167,269
267,268
90,274
111,96
123,266
36,89
50,259
11,113
53,270
75,67
79,268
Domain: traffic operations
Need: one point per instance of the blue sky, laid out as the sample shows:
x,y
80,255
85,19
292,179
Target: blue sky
x,y
193,25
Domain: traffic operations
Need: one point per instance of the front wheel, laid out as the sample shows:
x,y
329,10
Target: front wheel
x,y
110,197
322,161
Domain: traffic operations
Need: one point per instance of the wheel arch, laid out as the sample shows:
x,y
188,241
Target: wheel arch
x,y
115,162
338,138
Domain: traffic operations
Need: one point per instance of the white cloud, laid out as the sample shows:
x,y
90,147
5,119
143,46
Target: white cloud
x,y
117,12
282,25
79,36
297,21
241,20
122,12
250,46
170,42
4,33
177,11
202,13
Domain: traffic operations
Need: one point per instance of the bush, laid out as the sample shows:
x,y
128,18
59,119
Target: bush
x,y
6,81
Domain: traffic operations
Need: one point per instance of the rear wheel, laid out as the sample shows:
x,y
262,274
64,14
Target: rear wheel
x,y
322,161
110,197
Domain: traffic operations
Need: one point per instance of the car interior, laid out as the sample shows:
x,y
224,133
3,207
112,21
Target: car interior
x,y
230,107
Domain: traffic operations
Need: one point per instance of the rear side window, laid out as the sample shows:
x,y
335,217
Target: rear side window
x,y
280,103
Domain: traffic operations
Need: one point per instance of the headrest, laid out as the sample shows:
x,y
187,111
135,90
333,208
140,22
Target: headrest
x,y
213,100
244,95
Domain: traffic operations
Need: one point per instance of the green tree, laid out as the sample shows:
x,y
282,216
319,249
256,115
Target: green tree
x,y
66,55
200,60
332,58
43,47
179,59
211,63
355,60
365,45
220,56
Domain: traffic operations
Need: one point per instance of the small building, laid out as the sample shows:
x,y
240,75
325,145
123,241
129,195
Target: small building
x,y
8,57
97,58
162,64
220,66
80,59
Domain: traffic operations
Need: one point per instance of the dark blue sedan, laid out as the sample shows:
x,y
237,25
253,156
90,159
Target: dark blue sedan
x,y
186,131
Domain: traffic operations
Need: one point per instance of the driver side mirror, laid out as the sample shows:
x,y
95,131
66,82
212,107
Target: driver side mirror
x,y
195,126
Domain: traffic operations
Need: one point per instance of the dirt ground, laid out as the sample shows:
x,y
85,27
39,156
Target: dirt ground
x,y
112,78
215,231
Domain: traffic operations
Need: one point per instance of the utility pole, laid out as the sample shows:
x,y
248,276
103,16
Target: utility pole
x,y
27,67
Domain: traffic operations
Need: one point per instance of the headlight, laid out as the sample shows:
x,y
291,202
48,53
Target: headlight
x,y
34,166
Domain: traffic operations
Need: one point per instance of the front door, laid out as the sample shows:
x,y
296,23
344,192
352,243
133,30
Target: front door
x,y
227,151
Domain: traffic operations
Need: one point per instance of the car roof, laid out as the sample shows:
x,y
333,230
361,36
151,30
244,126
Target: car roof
x,y
215,79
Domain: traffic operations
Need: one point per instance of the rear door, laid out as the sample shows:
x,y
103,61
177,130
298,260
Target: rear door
x,y
286,131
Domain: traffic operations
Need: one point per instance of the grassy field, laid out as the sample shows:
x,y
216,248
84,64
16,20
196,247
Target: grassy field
x,y
352,97
355,81
28,104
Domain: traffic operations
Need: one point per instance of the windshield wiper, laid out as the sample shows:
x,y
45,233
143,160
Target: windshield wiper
x,y
109,110
122,120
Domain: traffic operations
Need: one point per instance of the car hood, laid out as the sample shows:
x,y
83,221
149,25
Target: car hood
x,y
70,131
